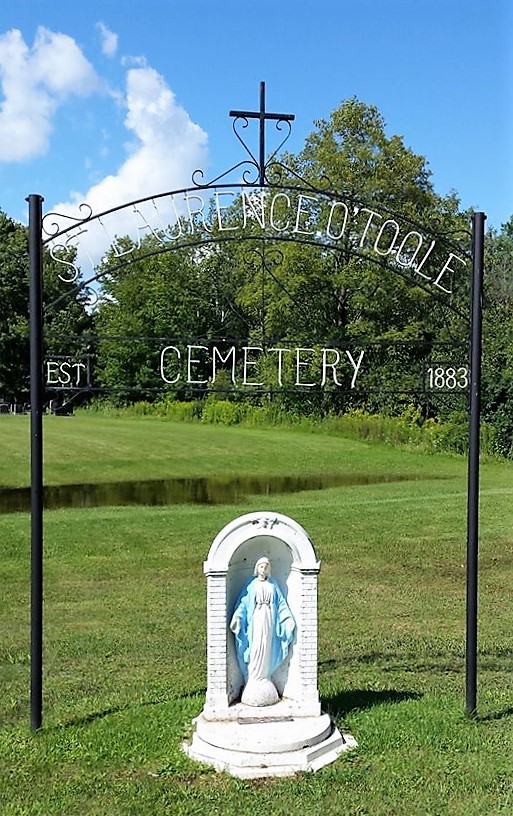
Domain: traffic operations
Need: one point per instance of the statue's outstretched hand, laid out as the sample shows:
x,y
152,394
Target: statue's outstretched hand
x,y
235,625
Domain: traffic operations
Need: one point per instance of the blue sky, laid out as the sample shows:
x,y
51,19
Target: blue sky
x,y
106,101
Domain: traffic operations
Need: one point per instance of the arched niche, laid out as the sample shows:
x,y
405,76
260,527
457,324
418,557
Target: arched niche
x,y
229,564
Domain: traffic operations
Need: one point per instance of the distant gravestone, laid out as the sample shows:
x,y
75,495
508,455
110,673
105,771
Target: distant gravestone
x,y
262,714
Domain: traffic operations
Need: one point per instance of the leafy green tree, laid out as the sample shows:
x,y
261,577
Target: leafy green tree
x,y
63,325
267,289
159,298
341,294
13,310
498,336
352,155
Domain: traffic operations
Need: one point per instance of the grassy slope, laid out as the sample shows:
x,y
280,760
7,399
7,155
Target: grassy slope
x,y
125,629
87,448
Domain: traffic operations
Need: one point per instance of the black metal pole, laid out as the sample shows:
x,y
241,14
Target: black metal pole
x,y
476,330
36,458
262,134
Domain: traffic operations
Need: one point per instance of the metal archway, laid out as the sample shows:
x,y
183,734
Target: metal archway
x,y
277,180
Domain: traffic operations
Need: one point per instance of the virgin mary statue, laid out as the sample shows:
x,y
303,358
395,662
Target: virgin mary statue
x,y
264,627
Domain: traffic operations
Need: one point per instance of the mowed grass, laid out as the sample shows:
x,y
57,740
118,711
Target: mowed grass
x,y
125,662
92,448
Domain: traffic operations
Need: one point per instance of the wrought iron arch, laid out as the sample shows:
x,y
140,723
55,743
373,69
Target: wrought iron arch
x,y
57,239
260,176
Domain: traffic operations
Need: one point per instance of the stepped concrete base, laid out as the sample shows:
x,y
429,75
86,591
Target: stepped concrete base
x,y
257,746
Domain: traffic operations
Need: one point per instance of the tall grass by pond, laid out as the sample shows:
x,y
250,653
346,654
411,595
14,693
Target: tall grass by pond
x,y
409,427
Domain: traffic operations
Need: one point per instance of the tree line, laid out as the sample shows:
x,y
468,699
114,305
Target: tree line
x,y
280,293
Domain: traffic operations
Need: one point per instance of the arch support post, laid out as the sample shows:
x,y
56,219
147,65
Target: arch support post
x,y
36,458
476,332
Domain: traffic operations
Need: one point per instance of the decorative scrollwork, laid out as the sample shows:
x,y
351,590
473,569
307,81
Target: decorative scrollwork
x,y
279,126
250,175
278,174
92,296
439,228
245,124
269,258
250,167
54,228
255,169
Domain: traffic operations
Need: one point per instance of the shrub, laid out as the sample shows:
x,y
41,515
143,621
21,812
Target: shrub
x,y
221,412
408,428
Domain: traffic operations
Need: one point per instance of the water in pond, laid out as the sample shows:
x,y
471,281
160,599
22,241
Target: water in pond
x,y
181,491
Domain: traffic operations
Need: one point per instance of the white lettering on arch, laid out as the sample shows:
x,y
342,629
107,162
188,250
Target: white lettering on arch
x,y
193,211
272,222
247,363
333,365
251,210
220,207
223,360
380,234
407,259
448,268
302,214
190,361
163,361
333,208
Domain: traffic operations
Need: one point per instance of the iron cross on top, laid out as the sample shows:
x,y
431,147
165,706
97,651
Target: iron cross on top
x,y
262,115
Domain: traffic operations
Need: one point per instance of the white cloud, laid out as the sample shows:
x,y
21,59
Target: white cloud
x,y
35,82
134,62
109,40
166,147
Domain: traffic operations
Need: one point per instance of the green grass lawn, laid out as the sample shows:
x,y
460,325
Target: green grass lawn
x,y
125,663
87,447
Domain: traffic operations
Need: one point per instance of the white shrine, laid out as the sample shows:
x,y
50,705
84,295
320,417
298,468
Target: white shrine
x,y
262,739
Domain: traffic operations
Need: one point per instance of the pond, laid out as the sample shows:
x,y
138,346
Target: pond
x,y
183,491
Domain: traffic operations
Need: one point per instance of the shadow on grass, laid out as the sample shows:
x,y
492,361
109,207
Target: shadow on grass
x,y
338,705
185,695
495,715
100,715
391,663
